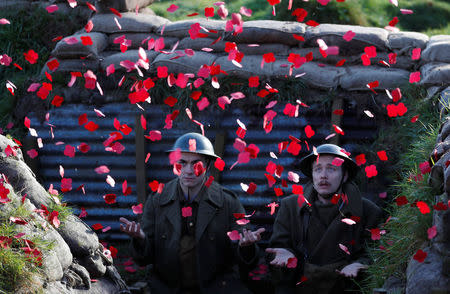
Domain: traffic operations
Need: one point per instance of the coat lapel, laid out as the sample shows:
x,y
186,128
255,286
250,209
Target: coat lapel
x,y
337,229
170,207
210,203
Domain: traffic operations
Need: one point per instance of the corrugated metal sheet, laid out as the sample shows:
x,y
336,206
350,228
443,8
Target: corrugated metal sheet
x,y
216,121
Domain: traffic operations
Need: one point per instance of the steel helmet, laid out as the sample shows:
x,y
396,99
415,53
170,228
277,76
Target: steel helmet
x,y
330,149
202,144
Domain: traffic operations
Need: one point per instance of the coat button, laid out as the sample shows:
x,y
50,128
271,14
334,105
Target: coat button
x,y
164,236
211,238
191,224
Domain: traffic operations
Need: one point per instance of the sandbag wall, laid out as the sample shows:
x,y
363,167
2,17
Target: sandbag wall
x,y
185,46
269,50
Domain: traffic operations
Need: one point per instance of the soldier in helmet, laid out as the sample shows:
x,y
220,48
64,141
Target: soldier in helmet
x,y
183,231
326,231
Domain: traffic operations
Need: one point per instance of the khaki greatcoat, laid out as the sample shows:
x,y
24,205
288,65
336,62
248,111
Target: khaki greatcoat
x,y
216,254
288,233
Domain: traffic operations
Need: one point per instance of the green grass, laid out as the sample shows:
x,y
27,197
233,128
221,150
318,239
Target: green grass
x,y
407,229
429,17
260,9
17,269
29,29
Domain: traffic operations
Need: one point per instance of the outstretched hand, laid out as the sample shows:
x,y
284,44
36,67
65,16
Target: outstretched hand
x,y
248,237
132,229
352,270
282,256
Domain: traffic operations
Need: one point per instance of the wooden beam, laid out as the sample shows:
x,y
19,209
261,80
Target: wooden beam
x,y
141,174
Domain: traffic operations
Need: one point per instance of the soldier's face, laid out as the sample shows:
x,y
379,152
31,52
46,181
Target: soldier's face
x,y
192,169
326,176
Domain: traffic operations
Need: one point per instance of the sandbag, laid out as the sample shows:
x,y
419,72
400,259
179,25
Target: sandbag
x,y
315,75
269,31
185,64
200,43
204,44
129,22
357,77
333,34
403,62
180,29
131,55
275,48
73,65
77,50
435,73
438,49
137,40
407,40
251,66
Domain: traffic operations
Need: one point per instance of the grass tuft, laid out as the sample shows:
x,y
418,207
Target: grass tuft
x,y
406,229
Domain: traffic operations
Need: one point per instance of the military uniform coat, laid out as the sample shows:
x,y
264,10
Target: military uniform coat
x,y
289,233
216,253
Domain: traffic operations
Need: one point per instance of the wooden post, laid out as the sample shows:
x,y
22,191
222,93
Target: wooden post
x,y
338,103
141,175
219,148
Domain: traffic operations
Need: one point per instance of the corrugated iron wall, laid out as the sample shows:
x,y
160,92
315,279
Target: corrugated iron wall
x,y
217,122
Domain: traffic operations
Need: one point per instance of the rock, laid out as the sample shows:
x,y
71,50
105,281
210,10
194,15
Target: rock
x,y
4,143
394,285
441,219
56,288
76,276
447,180
444,103
436,179
426,276
22,179
444,130
81,239
94,265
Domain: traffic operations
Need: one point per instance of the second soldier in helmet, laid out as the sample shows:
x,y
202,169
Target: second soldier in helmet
x,y
183,231
326,234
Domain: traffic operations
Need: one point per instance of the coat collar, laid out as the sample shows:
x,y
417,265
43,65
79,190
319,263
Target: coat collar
x,y
352,207
211,194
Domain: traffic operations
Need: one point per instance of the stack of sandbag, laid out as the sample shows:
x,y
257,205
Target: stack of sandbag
x,y
325,56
